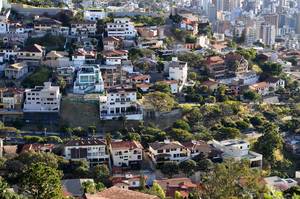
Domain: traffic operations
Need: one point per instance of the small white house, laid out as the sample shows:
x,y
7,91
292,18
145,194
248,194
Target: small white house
x,y
126,153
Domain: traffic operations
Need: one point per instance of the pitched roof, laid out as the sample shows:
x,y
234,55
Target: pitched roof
x,y
198,145
175,182
118,193
85,142
109,53
165,145
36,48
214,60
126,145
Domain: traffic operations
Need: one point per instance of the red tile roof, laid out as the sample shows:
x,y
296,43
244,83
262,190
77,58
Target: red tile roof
x,y
126,145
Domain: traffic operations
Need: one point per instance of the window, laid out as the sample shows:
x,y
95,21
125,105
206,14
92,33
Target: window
x,y
160,151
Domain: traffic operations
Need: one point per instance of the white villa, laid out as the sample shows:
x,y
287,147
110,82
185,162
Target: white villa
x,y
89,80
120,102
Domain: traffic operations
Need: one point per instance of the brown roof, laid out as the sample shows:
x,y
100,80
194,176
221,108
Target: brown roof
x,y
164,183
126,145
109,53
258,85
34,48
198,145
118,193
140,77
214,60
163,145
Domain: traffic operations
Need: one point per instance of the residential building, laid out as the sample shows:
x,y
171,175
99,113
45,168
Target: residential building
x,y
92,150
168,151
111,43
268,34
236,64
280,184
216,67
139,78
16,70
127,180
251,35
55,59
238,150
261,88
189,23
94,14
36,147
275,83
88,80
115,193
32,54
42,99
45,24
120,102
11,98
115,57
172,185
83,28
113,75
126,153
66,73
178,71
121,27
81,57
198,147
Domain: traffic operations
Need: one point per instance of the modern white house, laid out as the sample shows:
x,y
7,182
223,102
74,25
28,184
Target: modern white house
x,y
121,27
94,14
168,151
178,70
120,102
115,57
16,70
92,150
83,28
126,153
238,150
88,80
42,99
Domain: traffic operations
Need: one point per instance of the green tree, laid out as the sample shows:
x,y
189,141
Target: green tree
x,y
269,142
251,95
170,169
100,173
89,187
157,191
232,180
181,124
178,195
161,102
188,167
40,181
162,87
271,68
181,135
